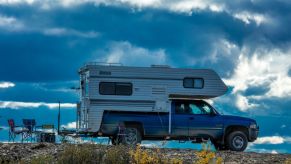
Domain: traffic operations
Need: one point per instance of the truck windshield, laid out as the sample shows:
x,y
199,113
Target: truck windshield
x,y
195,107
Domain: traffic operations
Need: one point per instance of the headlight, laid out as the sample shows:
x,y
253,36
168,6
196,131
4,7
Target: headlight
x,y
253,126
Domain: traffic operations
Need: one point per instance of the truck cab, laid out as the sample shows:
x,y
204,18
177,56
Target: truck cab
x,y
191,120
198,119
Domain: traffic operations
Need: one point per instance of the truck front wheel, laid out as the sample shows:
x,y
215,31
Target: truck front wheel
x,y
237,141
132,136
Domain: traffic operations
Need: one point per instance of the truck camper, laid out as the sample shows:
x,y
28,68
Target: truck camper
x,y
130,104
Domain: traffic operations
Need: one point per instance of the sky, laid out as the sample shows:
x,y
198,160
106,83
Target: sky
x,y
43,43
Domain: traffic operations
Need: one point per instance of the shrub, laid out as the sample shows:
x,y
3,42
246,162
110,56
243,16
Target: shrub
x,y
117,154
288,161
4,160
141,156
43,160
206,156
86,153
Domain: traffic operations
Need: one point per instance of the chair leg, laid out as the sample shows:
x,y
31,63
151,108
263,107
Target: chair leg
x,y
9,136
13,137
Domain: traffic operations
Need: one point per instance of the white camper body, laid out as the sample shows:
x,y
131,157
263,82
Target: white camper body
x,y
144,89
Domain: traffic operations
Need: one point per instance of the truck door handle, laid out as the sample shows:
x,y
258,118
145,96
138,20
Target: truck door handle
x,y
191,118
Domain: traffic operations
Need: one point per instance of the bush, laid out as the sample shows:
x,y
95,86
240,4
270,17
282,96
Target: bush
x,y
206,156
288,161
142,156
43,160
117,154
86,153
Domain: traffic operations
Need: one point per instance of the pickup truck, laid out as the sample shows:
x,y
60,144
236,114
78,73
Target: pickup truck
x,y
191,120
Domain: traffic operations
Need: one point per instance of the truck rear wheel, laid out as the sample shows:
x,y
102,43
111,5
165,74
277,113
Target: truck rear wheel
x,y
132,136
237,141
219,146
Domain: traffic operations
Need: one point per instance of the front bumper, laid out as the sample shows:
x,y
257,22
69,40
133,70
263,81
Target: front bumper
x,y
253,134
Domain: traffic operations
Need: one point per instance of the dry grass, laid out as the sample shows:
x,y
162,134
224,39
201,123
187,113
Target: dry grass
x,y
288,161
120,154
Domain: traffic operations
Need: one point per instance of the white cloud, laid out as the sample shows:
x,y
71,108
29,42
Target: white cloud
x,y
142,3
10,23
127,54
179,6
268,68
223,48
189,6
4,128
70,32
248,17
263,68
251,148
243,103
70,125
273,140
13,24
269,140
283,126
19,105
274,152
6,84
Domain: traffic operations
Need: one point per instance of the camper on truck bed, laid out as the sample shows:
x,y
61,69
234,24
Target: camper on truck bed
x,y
129,104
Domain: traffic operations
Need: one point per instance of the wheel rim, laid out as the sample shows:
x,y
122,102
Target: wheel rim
x,y
238,142
131,136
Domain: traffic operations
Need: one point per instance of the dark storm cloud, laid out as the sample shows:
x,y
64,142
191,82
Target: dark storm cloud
x,y
256,90
44,58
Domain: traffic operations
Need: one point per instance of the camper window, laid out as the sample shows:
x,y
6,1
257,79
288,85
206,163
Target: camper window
x,y
197,83
115,88
123,88
107,88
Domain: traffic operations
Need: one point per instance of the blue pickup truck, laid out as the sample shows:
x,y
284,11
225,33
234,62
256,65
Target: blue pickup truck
x,y
191,120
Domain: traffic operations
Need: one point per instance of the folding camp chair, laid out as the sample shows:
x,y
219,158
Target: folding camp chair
x,y
28,124
14,130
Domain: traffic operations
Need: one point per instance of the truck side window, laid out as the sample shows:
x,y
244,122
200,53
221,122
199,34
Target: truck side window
x,y
195,109
205,109
183,108
179,108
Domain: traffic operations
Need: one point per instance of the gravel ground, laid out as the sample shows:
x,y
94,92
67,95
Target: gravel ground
x,y
26,151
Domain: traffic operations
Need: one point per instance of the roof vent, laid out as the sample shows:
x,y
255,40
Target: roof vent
x,y
160,66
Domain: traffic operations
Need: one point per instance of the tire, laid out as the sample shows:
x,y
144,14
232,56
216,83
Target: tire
x,y
219,147
132,136
237,141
